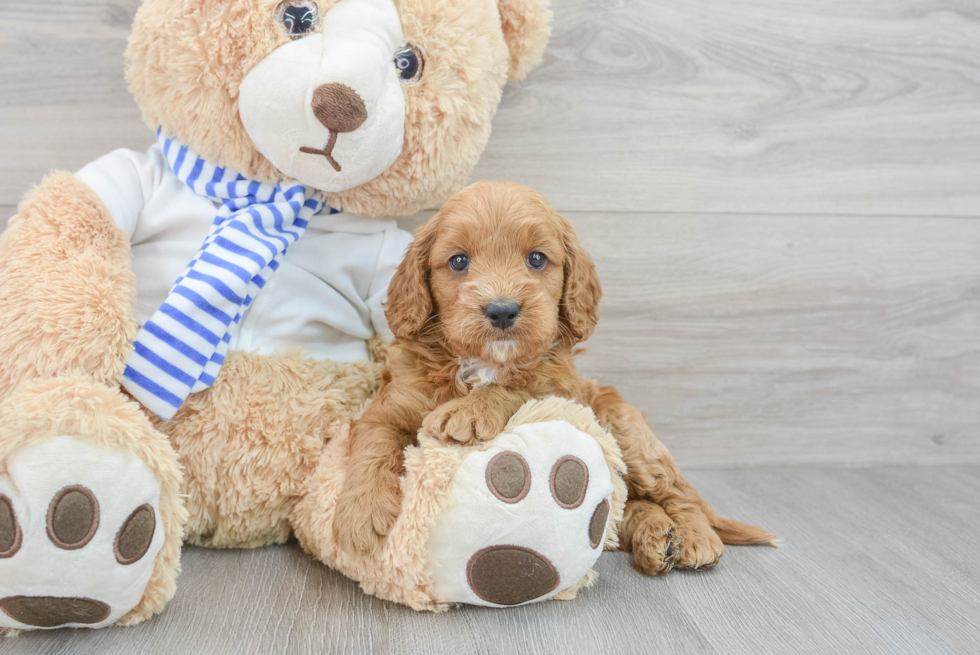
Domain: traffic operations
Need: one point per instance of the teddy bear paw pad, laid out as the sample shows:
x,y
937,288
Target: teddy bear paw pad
x,y
527,519
510,575
79,533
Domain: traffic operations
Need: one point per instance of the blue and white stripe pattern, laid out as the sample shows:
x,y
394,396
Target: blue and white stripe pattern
x,y
181,348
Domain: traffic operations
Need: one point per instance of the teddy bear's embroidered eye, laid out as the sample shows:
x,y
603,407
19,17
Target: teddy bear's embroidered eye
x,y
409,64
297,17
459,263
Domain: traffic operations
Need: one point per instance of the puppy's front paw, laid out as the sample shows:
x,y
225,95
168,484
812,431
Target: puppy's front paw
x,y
364,517
463,421
651,536
701,548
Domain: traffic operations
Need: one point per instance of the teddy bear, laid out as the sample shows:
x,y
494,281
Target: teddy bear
x,y
187,333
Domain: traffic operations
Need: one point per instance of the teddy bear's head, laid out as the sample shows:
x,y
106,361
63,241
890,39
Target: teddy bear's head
x,y
383,104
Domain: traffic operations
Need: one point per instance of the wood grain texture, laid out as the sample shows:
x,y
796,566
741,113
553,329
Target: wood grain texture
x,y
751,106
876,560
63,99
748,106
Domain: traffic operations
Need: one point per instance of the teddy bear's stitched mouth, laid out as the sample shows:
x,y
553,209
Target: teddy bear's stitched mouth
x,y
326,151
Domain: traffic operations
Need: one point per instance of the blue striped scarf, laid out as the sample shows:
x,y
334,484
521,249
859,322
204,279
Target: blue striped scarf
x,y
181,348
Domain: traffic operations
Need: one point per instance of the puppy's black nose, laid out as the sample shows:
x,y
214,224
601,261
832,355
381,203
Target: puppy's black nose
x,y
502,313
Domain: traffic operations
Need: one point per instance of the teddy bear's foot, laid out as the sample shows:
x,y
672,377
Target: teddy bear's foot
x,y
528,520
90,513
79,531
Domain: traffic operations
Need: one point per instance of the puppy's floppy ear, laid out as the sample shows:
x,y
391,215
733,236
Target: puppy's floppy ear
x,y
580,298
527,26
409,299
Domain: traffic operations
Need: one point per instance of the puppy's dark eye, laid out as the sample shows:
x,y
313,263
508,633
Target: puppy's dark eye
x,y
409,64
537,260
297,17
459,263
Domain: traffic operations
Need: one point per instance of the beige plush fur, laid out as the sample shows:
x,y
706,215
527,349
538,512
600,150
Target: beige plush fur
x,y
66,289
250,441
400,570
527,26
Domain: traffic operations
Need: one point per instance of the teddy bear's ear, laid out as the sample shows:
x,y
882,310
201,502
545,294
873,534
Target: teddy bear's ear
x,y
527,26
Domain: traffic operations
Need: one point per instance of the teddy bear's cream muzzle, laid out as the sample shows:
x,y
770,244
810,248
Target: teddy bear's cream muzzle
x,y
328,109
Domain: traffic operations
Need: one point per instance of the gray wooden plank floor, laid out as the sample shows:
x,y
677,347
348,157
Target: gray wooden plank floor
x,y
879,560
750,106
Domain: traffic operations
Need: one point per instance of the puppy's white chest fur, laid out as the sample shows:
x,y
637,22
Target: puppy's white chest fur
x,y
475,372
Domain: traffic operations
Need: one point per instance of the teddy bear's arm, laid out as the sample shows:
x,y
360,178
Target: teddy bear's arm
x,y
124,180
66,287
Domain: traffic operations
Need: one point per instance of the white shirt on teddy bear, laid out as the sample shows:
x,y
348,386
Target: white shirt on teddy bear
x,y
326,297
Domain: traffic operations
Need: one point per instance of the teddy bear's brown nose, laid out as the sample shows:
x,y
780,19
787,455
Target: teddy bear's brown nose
x,y
339,107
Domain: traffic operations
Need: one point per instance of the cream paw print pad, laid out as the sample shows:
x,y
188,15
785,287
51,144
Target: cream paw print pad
x,y
79,533
527,518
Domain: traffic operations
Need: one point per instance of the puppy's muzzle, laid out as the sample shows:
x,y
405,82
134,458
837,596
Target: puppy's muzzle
x,y
502,313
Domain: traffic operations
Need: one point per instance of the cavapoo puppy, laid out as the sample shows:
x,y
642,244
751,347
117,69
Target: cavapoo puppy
x,y
487,308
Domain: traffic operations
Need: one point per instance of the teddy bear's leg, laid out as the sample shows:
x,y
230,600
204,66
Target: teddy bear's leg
x,y
531,509
528,518
90,510
249,443
90,513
